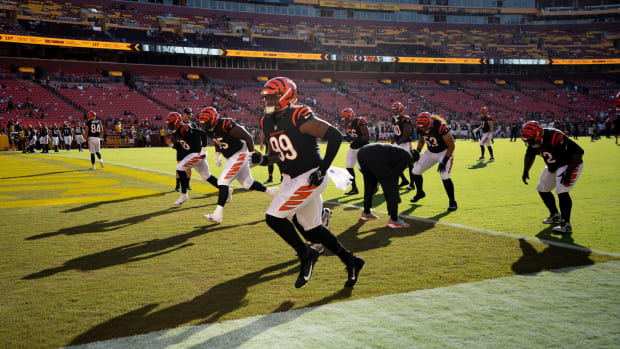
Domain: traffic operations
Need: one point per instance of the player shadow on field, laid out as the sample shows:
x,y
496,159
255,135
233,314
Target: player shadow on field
x,y
106,225
239,336
551,258
359,239
131,253
208,307
42,174
99,203
478,165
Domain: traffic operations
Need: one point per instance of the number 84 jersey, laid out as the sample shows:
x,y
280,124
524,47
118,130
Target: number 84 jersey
x,y
298,152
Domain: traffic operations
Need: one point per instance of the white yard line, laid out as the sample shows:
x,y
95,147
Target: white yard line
x,y
487,231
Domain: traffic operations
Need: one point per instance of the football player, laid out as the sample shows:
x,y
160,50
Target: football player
x,y
55,136
44,138
435,132
401,125
67,134
292,131
382,164
487,134
235,143
187,119
92,132
188,142
356,131
563,158
78,130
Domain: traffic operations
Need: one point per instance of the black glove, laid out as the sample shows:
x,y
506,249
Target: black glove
x,y
317,177
442,165
415,154
566,177
525,177
259,159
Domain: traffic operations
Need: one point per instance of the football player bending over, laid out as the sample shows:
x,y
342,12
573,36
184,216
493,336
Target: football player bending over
x,y
236,144
564,164
436,133
292,132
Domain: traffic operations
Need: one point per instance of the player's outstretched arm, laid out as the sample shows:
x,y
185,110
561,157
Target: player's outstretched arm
x,y
242,133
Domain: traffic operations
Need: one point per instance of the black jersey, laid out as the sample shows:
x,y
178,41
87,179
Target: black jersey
x,y
298,152
556,149
224,142
66,131
94,128
355,132
55,132
78,129
434,136
44,131
485,124
398,125
188,140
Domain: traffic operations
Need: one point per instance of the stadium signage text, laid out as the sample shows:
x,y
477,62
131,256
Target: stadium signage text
x,y
460,10
38,40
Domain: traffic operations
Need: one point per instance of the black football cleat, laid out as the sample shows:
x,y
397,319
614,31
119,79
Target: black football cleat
x,y
307,260
418,197
404,183
354,265
452,206
353,191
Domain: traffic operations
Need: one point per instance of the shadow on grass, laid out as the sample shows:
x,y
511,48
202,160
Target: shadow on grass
x,y
99,203
210,306
106,225
131,253
477,166
552,257
43,174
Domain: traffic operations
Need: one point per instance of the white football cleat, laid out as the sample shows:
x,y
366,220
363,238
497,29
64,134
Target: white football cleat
x,y
563,229
213,218
553,219
229,198
181,199
101,163
273,192
92,167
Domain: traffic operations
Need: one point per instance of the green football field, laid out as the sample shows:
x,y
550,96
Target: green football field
x,y
101,255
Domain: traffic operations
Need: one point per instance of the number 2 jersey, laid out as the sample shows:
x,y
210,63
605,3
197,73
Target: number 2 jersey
x,y
188,139
556,149
434,136
224,142
298,152
94,128
355,133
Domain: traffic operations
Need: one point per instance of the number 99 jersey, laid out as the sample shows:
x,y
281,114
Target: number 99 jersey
x,y
298,152
434,137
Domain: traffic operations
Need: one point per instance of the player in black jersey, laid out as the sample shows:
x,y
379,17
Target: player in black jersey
x,y
78,131
292,131
44,138
93,132
401,124
487,134
435,132
187,119
188,141
55,136
235,143
67,134
356,130
563,158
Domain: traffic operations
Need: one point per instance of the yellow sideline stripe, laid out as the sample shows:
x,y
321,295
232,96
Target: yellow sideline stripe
x,y
200,187
59,185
